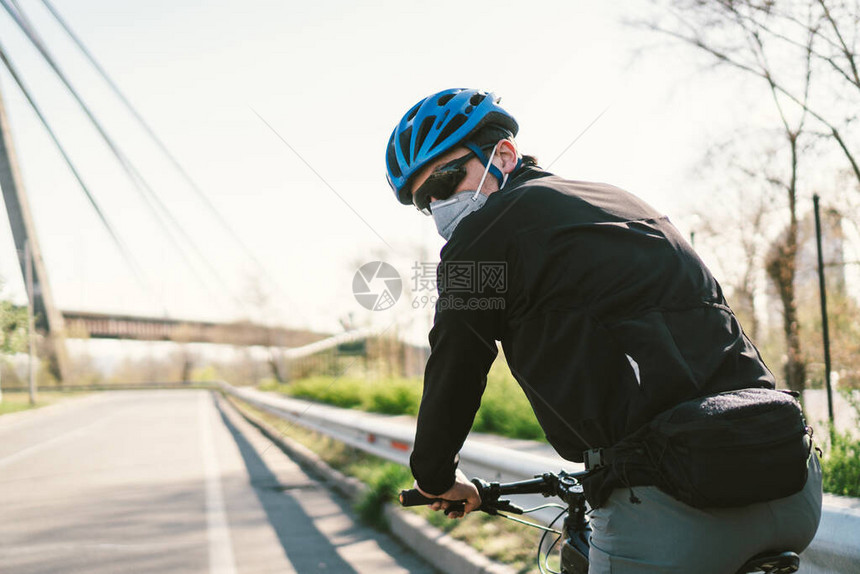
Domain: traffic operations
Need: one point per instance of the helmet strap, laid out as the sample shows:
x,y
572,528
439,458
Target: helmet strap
x,y
494,171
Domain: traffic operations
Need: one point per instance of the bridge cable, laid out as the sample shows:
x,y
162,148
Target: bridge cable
x,y
148,129
201,195
152,199
117,240
146,191
140,184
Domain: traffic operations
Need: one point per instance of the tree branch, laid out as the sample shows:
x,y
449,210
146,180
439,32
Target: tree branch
x,y
806,27
849,55
725,58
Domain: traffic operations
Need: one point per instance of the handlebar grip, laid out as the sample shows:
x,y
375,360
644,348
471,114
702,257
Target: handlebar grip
x,y
414,498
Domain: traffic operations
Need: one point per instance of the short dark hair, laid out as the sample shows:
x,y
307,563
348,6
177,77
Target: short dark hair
x,y
490,135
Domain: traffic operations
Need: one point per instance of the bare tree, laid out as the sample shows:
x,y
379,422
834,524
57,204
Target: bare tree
x,y
787,45
734,238
804,52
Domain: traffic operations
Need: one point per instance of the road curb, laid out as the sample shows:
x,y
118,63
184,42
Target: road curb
x,y
438,548
443,551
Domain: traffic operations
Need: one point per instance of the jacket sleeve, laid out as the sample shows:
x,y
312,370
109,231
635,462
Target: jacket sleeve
x,y
462,349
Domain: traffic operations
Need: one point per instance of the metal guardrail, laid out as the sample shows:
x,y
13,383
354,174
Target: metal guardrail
x,y
330,343
377,435
836,547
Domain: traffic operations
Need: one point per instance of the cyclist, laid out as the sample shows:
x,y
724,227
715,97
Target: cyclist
x,y
606,317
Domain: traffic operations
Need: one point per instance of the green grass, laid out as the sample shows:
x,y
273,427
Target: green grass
x,y
841,465
384,481
388,396
12,405
15,402
496,538
504,408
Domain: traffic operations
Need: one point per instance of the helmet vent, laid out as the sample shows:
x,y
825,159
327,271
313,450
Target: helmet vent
x,y
477,99
405,141
442,119
457,121
391,161
445,99
423,130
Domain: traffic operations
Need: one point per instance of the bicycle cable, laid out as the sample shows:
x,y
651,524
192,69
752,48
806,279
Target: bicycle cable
x,y
546,558
545,563
542,506
535,509
532,524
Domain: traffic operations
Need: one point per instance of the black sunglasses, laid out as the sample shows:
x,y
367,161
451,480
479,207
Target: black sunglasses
x,y
441,183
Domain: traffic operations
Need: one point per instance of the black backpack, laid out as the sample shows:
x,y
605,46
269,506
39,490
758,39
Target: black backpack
x,y
725,450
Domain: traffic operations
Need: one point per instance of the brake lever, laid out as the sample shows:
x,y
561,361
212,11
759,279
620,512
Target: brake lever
x,y
493,508
508,506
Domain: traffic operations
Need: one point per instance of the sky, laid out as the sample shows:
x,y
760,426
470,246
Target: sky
x,y
281,111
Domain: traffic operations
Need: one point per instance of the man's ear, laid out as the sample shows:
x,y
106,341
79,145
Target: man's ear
x,y
507,153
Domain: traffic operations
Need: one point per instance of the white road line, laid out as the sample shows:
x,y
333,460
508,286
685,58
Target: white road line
x,y
221,559
14,457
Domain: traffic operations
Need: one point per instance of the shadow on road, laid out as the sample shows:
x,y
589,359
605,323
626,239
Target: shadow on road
x,y
306,547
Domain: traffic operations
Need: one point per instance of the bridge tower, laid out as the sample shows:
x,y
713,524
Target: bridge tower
x,y
49,320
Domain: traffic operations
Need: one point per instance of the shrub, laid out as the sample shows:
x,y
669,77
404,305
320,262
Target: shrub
x,y
394,397
384,483
345,393
841,466
505,410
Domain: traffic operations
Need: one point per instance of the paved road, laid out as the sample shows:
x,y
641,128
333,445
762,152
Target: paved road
x,y
164,481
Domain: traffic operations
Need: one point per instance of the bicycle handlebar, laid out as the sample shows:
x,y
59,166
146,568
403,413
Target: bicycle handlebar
x,y
564,485
413,497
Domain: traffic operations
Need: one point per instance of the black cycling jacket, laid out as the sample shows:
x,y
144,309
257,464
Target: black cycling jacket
x,y
605,314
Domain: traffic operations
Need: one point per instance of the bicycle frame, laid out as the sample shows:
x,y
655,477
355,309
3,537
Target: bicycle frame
x,y
577,533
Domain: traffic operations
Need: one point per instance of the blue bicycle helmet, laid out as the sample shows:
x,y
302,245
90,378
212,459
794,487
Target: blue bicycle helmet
x,y
436,125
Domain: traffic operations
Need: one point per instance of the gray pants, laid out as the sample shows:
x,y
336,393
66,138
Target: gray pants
x,y
664,535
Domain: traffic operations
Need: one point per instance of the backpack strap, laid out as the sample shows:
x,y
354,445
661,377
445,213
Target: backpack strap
x,y
597,458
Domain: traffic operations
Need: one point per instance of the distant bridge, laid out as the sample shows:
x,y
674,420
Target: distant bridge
x,y
86,325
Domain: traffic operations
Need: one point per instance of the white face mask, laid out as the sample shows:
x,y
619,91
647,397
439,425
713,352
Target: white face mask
x,y
447,213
